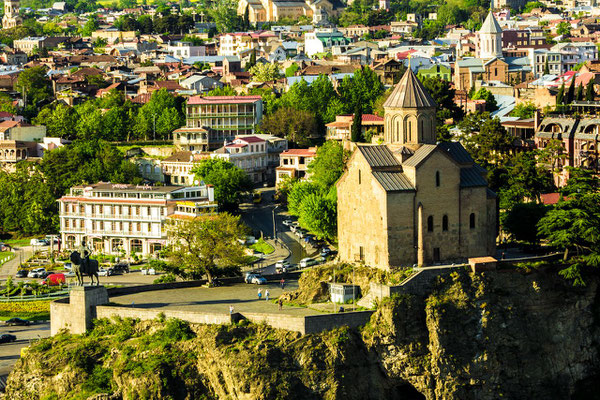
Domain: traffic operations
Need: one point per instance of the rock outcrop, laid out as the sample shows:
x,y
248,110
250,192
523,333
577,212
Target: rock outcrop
x,y
496,335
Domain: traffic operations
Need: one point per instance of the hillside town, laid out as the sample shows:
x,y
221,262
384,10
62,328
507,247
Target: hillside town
x,y
164,148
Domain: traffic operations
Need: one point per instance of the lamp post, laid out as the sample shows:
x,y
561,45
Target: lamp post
x,y
274,225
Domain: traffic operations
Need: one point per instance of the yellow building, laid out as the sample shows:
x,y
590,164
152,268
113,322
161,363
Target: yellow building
x,y
273,10
412,201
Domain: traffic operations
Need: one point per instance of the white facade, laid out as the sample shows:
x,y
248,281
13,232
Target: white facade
x,y
490,39
186,50
116,218
248,153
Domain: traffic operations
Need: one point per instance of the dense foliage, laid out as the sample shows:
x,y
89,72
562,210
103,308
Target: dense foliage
x,y
229,181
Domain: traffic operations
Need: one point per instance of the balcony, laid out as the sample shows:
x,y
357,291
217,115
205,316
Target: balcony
x,y
219,115
118,217
131,234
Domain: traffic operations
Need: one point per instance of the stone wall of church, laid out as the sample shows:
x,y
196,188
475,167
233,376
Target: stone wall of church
x,y
362,215
475,241
401,231
439,201
409,126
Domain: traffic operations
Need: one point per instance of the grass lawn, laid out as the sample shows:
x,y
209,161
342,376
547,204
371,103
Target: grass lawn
x,y
17,242
262,247
6,256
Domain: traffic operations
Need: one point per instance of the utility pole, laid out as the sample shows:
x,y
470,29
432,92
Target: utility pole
x,y
274,226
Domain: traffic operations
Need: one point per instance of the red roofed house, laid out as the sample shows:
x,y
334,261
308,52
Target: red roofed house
x,y
248,153
294,163
340,128
212,120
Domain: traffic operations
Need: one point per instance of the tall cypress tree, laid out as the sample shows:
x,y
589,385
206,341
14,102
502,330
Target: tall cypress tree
x,y
355,133
560,97
571,92
579,95
546,67
590,95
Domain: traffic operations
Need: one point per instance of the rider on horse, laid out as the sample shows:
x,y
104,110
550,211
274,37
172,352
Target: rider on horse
x,y
84,253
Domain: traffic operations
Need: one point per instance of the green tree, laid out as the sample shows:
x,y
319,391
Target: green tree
x,y
159,117
328,165
522,219
590,94
531,5
252,61
90,26
264,72
523,110
443,94
60,121
298,193
291,70
222,91
485,138
563,29
579,95
581,181
224,14
356,130
490,100
574,224
560,96
297,126
571,92
206,246
363,88
35,84
318,213
229,181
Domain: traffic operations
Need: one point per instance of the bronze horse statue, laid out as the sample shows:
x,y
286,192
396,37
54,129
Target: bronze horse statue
x,y
81,267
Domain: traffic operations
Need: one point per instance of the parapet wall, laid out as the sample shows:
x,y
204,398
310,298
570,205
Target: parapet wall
x,y
153,313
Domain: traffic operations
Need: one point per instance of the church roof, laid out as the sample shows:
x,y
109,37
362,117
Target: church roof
x,y
379,156
457,152
420,155
490,25
393,181
471,177
409,93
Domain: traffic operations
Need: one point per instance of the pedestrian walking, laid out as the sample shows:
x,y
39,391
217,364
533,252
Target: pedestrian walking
x,y
280,303
267,294
282,283
230,309
259,293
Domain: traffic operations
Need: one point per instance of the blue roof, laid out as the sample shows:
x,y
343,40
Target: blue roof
x,y
203,59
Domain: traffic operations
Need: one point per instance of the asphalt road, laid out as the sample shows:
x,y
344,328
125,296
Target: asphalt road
x,y
10,352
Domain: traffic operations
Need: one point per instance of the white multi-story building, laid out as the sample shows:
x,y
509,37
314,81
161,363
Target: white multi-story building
x,y
116,218
294,163
248,153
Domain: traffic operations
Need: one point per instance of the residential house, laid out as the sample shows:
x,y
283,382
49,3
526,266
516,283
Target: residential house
x,y
248,153
294,164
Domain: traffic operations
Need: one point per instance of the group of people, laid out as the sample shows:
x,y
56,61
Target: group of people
x,y
267,294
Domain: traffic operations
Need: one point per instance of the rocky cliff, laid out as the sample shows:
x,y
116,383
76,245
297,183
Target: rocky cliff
x,y
497,335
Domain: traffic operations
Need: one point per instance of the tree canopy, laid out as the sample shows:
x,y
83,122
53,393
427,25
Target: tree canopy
x,y
228,180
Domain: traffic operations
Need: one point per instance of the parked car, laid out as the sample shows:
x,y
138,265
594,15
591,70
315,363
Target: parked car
x,y
35,273
22,273
7,338
301,233
120,268
287,222
45,274
307,262
325,250
38,242
68,266
104,272
50,238
17,322
257,279
55,279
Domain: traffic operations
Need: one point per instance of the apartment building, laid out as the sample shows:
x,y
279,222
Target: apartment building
x,y
248,153
294,163
212,120
115,218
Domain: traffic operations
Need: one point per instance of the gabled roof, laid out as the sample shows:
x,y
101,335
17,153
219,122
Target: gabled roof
x,y
409,93
420,155
457,152
470,177
379,156
393,181
490,25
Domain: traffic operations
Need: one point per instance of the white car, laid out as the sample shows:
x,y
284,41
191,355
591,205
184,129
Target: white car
x,y
35,273
102,272
38,242
307,262
288,222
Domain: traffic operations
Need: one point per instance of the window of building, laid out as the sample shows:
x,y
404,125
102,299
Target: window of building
x,y
472,221
430,223
359,177
361,253
445,223
436,254
437,178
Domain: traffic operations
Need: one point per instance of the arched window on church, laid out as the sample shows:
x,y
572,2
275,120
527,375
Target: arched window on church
x,y
472,221
430,223
421,131
410,131
445,223
437,178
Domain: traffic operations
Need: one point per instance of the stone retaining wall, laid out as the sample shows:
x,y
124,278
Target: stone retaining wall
x,y
194,317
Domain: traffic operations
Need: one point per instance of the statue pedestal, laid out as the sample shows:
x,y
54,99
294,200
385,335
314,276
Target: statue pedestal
x,y
78,314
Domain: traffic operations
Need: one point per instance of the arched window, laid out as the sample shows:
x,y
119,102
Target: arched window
x,y
430,223
359,180
472,221
437,178
445,223
410,131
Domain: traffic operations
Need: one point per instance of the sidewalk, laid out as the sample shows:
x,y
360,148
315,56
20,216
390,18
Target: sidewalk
x,y
10,267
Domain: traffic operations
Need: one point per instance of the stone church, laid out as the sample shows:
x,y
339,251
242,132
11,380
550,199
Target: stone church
x,y
411,200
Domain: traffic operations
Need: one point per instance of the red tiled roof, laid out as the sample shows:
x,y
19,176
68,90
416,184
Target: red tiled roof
x,y
550,198
371,118
142,98
250,139
300,152
223,99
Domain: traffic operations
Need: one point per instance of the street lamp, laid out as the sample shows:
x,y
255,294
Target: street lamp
x,y
274,225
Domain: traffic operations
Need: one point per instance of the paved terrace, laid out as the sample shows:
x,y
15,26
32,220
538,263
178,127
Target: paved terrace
x,y
243,297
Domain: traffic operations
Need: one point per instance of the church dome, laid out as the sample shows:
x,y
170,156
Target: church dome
x,y
490,25
409,93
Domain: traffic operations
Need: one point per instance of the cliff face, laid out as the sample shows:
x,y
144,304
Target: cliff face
x,y
498,335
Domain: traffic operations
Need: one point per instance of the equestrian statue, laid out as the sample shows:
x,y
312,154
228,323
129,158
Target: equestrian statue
x,y
82,265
